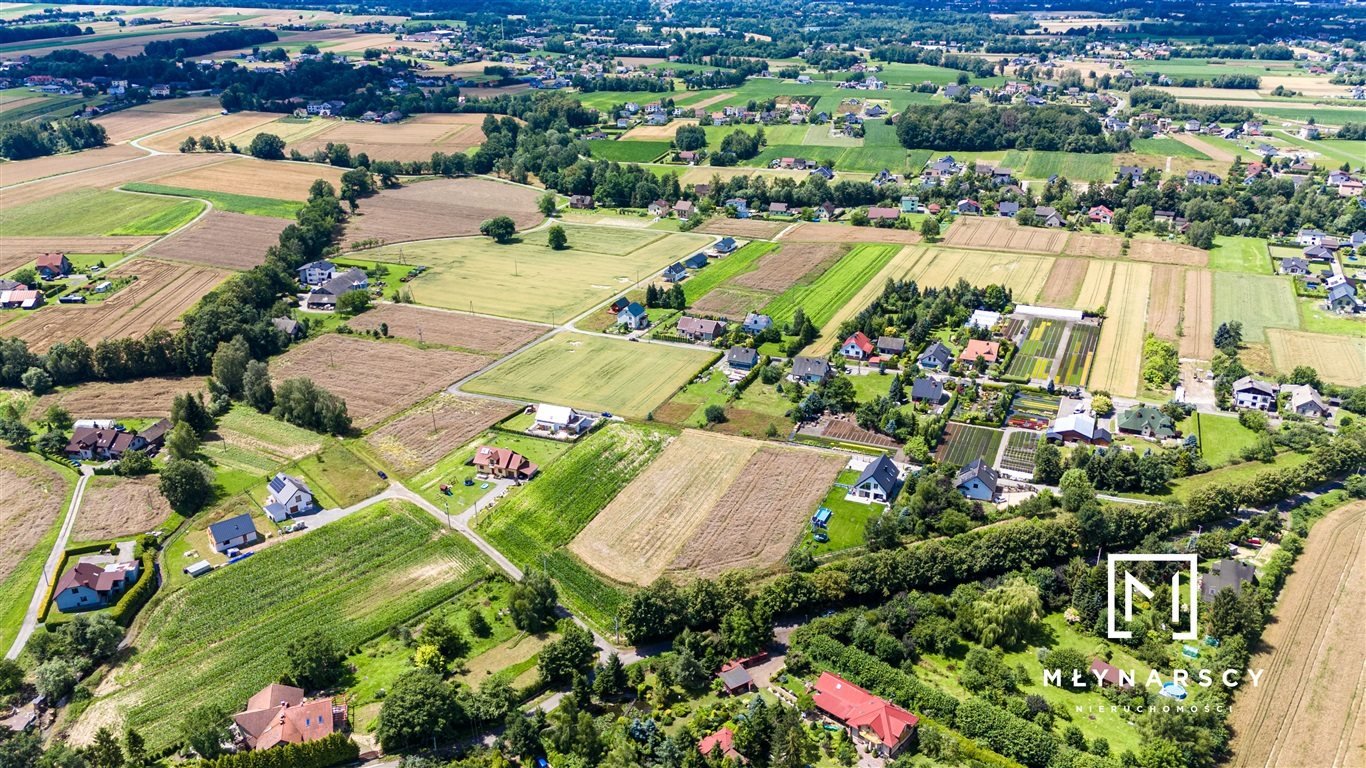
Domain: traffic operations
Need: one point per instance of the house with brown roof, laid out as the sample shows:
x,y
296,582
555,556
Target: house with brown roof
x,y
279,714
105,443
987,350
700,329
724,742
53,265
1107,674
86,586
880,726
503,462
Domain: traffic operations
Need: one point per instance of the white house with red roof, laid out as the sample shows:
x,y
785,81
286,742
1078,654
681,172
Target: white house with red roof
x,y
858,347
1101,214
879,725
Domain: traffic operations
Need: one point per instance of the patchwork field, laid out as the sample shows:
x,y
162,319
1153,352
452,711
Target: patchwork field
x,y
226,240
1257,301
811,232
1159,252
155,116
416,138
225,127
1024,274
595,373
635,537
823,297
1198,322
441,208
159,295
487,335
1080,355
424,434
104,177
203,643
395,375
33,496
781,269
1037,350
248,176
964,443
97,212
119,506
531,281
1339,359
999,234
1119,354
144,398
1165,302
1064,282
763,230
20,171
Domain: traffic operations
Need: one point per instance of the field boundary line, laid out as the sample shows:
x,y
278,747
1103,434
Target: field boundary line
x,y
49,574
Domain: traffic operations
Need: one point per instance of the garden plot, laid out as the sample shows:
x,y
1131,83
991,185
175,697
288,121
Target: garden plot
x,y
635,537
424,434
1119,354
488,335
119,506
963,444
1000,234
1032,410
1080,354
442,208
395,375
145,398
1339,359
227,240
1019,452
1038,348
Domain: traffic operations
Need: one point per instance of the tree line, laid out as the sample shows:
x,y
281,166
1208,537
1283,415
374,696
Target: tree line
x,y
20,141
976,127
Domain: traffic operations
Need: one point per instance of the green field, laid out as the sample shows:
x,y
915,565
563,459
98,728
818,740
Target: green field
x,y
222,201
1073,166
719,271
629,151
1240,254
528,279
97,212
454,468
51,105
1315,320
533,524
218,639
337,476
1019,453
1336,151
1034,358
828,293
595,373
1167,148
1258,302
1221,437
17,588
967,443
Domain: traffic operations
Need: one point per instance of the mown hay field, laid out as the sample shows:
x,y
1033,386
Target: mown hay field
x,y
277,179
415,138
1064,282
1198,323
377,379
33,496
155,116
119,506
1165,301
1095,287
1001,234
810,232
486,335
104,177
432,429
595,373
763,230
1159,252
1119,355
20,171
1095,246
225,127
1257,301
1339,359
203,643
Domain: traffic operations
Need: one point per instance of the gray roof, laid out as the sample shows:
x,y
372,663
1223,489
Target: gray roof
x,y
343,282
1225,574
1341,290
287,325
805,367
742,355
978,470
231,528
1256,385
927,389
736,677
893,344
882,471
937,352
322,264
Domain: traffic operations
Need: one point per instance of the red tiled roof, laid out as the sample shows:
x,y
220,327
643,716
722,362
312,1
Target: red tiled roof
x,y
860,709
49,260
860,341
725,739
988,350
493,457
278,714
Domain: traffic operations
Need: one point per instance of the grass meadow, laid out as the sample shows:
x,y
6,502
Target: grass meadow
x,y
1257,301
97,212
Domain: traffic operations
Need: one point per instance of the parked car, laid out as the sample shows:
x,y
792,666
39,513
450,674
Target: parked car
x,y
381,474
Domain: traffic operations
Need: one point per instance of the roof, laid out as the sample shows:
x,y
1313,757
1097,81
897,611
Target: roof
x,y
1149,419
980,471
283,486
1226,574
322,264
157,431
937,351
736,677
860,709
634,309
742,355
286,719
96,577
988,350
882,471
1108,673
1082,424
1256,385
231,528
274,695
51,260
554,414
982,318
1304,394
724,739
861,341
286,324
893,344
927,389
700,326
493,457
804,367
755,319
880,212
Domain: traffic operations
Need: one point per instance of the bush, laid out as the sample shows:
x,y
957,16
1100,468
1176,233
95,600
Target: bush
x,y
333,749
132,601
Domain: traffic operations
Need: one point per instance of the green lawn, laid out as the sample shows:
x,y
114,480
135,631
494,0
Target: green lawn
x,y
338,477
828,293
1314,319
744,259
595,373
1240,254
1257,301
629,151
1236,473
454,468
1167,147
222,201
1221,437
869,387
847,522
269,433
97,212
1073,166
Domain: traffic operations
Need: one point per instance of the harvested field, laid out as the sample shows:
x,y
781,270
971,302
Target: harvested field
x,y
1338,359
1198,323
1214,150
396,375
1095,246
998,234
729,303
1165,302
1024,274
752,228
1307,709
227,240
20,171
225,127
1095,289
17,251
1119,355
635,537
653,132
810,232
155,116
442,208
32,496
1159,252
416,138
1064,282
143,398
104,177
420,437
249,176
761,514
844,430
158,297
452,329
119,506
781,269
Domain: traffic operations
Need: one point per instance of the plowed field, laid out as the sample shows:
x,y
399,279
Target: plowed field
x,y
763,230
228,240
441,208
259,178
453,329
1159,252
781,269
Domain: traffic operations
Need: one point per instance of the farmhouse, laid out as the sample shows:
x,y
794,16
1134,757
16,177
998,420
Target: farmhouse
x,y
1101,214
1226,574
1254,393
879,213
85,586
1147,421
878,484
742,358
237,531
700,329
317,272
101,443
877,724
51,266
857,347
683,208
502,463
658,208
1305,401
633,317
279,714
927,390
987,350
810,370
1079,428
936,357
557,420
977,481
288,495
324,296
581,202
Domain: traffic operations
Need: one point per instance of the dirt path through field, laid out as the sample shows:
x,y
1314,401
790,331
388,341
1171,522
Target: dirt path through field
x,y
1308,709
1214,152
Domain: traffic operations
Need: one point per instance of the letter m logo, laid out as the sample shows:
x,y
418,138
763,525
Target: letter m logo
x,y
1118,563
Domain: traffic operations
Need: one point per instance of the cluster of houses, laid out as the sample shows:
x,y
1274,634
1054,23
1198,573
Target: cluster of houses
x,y
104,440
325,284
16,295
1258,394
1321,250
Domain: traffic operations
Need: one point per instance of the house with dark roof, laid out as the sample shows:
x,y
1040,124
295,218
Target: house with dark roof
x,y
87,586
1049,217
810,370
633,317
1254,393
675,272
877,484
735,679
1079,428
279,714
890,346
878,725
288,326
725,245
742,358
583,202
1007,208
935,357
1147,421
325,295
696,261
1342,298
977,480
1226,574
927,390
103,443
1294,266
237,531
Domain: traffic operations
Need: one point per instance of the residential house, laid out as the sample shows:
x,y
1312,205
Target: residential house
x,y
1318,253
618,304
289,327
810,370
1342,298
722,742
989,351
890,346
1008,208
735,679
234,532
633,317
1306,401
879,213
778,208
502,463
102,443
51,266
1294,266
1131,172
857,347
279,714
1308,237
658,208
287,496
325,295
725,245
1107,674
936,356
756,323
696,261
977,481
742,358
582,202
741,207
87,586
1101,214
827,211
556,419
1049,216
24,298
910,204
1254,393
1079,428
927,390
675,272
1202,178
1147,421
684,209
1226,574
969,207
700,329
877,484
1309,132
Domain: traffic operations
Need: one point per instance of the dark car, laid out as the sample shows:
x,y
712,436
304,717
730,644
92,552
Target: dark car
x,y
381,474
